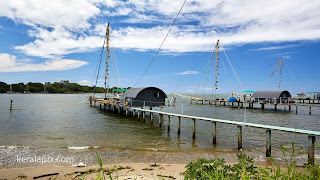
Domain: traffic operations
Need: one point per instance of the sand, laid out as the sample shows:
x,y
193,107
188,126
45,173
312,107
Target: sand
x,y
132,171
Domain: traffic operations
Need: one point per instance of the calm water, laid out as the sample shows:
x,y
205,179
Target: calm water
x,y
58,125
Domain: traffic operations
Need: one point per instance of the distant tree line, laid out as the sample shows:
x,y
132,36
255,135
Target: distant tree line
x,y
57,87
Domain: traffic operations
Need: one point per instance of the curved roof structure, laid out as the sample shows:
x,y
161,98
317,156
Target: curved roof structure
x,y
133,92
271,94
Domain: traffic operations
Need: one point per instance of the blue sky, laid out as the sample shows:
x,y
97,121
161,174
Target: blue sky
x,y
47,41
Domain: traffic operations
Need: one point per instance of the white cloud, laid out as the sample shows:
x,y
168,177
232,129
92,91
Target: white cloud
x,y
75,26
188,72
85,82
72,14
9,63
274,47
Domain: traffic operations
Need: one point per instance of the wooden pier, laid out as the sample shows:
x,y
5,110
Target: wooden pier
x,y
116,107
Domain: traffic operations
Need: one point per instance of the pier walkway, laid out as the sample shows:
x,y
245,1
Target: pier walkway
x,y
121,109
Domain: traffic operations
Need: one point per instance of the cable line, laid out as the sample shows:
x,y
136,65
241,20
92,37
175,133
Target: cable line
x,y
160,45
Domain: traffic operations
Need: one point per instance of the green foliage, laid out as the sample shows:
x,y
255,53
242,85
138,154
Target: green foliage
x,y
216,169
57,87
244,169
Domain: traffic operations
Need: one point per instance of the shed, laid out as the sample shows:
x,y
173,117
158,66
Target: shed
x,y
145,96
271,96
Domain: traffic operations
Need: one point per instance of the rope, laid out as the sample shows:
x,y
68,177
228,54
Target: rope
x,y
291,77
189,74
234,72
101,54
268,81
160,45
115,60
225,71
205,83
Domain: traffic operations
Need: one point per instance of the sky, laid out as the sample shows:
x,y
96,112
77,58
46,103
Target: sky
x,y
48,41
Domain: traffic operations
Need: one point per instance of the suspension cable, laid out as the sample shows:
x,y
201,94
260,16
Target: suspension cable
x,y
160,45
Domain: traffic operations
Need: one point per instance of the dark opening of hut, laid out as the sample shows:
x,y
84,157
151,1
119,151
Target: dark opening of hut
x,y
145,96
272,96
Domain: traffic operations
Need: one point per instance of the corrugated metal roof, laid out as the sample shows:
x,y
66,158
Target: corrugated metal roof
x,y
133,92
269,94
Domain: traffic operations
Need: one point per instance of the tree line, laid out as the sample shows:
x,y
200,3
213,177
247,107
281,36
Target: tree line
x,y
64,86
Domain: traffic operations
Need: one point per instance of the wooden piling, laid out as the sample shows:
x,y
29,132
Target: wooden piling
x,y
95,101
11,105
138,115
168,123
311,140
144,116
262,106
239,137
160,119
275,106
179,124
127,112
151,117
310,110
194,128
290,108
104,106
296,109
214,133
268,143
100,106
134,113
119,110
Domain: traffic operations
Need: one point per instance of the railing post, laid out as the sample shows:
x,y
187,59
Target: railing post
x,y
179,124
311,140
268,143
160,119
239,137
194,128
214,133
168,123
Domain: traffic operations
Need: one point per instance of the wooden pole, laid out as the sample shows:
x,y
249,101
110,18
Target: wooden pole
x,y
194,128
179,124
133,113
262,106
214,133
310,110
239,137
151,117
100,106
127,112
144,116
160,119
11,105
104,106
138,115
268,144
168,123
275,106
296,109
311,140
290,108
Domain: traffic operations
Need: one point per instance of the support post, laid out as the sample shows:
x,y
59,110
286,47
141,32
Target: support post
x,y
262,106
239,137
179,124
119,110
138,115
95,101
275,106
268,144
160,119
100,106
194,128
310,110
133,113
151,117
127,112
11,105
290,108
214,133
168,123
311,140
296,109
104,106
144,116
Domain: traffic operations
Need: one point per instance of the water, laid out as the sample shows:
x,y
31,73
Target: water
x,y
60,126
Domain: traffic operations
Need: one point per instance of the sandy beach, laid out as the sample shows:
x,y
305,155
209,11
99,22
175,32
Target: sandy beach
x,y
121,171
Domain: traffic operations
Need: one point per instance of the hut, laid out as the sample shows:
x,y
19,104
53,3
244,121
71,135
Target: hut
x,y
145,96
271,96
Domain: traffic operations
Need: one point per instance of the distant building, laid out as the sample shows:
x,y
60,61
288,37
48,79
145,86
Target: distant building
x,y
271,96
318,95
145,96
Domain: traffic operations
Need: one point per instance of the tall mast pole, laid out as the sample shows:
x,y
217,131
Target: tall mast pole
x,y
106,87
280,72
217,68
